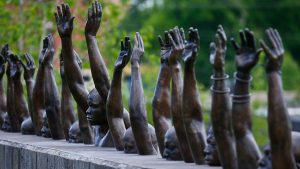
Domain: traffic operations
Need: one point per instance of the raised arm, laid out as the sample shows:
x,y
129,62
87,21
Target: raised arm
x,y
246,58
137,108
52,101
29,70
161,103
220,110
2,91
192,111
98,68
278,118
38,94
114,105
64,22
67,109
177,47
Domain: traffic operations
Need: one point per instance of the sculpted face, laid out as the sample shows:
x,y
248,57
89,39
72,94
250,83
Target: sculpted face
x,y
96,113
6,126
171,151
74,133
210,151
129,142
45,129
27,126
266,161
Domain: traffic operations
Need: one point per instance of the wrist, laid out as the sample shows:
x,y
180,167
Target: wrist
x,y
219,72
89,35
243,75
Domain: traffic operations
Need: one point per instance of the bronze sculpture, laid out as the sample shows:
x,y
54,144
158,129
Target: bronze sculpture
x,y
220,109
161,103
173,51
278,120
3,109
29,70
246,58
211,151
114,105
191,106
171,148
137,110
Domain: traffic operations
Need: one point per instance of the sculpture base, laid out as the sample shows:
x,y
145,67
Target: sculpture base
x,y
31,152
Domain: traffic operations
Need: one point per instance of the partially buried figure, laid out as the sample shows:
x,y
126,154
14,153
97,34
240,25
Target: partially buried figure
x,y
171,150
211,151
74,133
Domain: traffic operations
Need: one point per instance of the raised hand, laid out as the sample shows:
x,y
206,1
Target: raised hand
x,y
247,55
14,67
165,48
94,19
177,43
29,67
47,53
124,55
191,45
217,52
274,54
138,49
64,21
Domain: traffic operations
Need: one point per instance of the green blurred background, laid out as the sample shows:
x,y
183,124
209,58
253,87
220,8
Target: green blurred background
x,y
23,24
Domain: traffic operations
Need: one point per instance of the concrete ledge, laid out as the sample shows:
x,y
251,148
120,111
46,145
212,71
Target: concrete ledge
x,y
31,152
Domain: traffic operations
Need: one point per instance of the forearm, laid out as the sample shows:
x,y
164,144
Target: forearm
x,y
176,111
52,104
2,98
67,108
73,74
221,121
38,99
98,68
137,111
21,104
115,110
191,101
241,113
278,119
161,106
29,86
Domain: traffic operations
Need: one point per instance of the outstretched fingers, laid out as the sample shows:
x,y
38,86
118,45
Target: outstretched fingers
x,y
235,45
267,49
250,39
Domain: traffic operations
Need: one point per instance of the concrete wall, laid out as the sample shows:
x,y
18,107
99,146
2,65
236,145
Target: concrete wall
x,y
22,156
31,152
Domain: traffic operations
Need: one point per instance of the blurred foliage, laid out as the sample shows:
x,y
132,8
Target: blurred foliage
x,y
234,15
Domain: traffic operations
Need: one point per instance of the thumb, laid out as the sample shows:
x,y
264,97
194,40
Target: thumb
x,y
72,20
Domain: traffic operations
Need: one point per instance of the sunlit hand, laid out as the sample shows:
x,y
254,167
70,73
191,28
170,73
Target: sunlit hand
x,y
274,54
138,49
217,52
94,19
191,46
64,21
124,55
29,67
177,43
247,55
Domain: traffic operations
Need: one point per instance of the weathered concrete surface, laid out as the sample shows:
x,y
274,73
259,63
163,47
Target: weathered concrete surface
x,y
31,152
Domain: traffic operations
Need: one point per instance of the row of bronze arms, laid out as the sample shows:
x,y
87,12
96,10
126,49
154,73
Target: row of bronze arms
x,y
178,132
